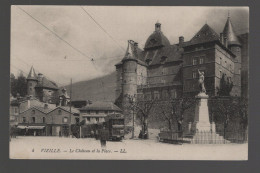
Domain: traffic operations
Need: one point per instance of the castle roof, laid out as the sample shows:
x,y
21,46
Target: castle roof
x,y
133,52
45,83
157,38
204,35
229,33
32,75
165,54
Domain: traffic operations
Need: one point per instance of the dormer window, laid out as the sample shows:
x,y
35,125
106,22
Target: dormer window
x,y
153,41
148,61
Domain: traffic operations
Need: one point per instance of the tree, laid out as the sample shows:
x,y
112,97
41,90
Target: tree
x,y
143,109
172,111
18,85
13,83
225,86
22,85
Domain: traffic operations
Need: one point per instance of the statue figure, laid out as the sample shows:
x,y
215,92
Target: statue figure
x,y
201,81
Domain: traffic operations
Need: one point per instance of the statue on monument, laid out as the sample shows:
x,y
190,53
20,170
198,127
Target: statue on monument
x,y
201,81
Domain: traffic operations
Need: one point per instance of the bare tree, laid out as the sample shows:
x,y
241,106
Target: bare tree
x,y
172,110
225,109
142,108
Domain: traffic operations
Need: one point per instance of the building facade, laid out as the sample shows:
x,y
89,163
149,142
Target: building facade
x,y
46,121
162,70
97,111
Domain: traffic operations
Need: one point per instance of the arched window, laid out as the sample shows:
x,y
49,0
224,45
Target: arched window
x,y
33,111
60,112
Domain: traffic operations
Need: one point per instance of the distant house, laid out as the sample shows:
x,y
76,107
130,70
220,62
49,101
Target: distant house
x,y
33,121
60,118
46,121
97,111
14,112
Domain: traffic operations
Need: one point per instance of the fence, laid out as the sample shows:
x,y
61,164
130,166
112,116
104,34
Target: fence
x,y
206,137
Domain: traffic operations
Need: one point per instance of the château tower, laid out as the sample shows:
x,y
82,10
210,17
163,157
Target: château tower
x,y
129,75
234,45
31,82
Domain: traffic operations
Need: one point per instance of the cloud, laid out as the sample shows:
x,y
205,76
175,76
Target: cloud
x,y
35,45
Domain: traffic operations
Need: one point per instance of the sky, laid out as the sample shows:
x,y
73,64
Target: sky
x,y
36,33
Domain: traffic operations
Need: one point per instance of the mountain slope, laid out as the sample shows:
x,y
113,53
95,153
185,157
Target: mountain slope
x,y
93,90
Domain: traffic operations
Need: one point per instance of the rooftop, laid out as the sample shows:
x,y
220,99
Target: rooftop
x,y
105,106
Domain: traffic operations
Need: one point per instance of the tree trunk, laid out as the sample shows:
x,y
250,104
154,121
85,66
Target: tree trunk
x,y
170,125
144,131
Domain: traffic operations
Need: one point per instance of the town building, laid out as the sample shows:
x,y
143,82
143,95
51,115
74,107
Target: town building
x,y
162,70
47,121
97,111
42,88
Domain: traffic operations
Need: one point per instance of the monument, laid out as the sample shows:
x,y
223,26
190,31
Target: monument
x,y
201,119
201,130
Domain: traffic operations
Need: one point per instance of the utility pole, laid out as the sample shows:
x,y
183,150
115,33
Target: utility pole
x,y
70,106
133,132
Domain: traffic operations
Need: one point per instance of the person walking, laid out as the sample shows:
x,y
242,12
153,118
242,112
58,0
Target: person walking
x,y
103,137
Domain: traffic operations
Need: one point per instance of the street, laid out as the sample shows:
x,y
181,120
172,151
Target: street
x,y
130,149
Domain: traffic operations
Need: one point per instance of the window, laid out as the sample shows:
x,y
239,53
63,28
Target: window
x,y
156,94
33,111
194,61
147,96
201,59
164,70
194,75
97,119
88,119
65,119
43,119
77,120
97,112
24,119
173,94
33,119
220,73
60,112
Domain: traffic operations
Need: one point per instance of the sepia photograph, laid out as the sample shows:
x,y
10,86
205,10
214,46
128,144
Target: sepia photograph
x,y
129,82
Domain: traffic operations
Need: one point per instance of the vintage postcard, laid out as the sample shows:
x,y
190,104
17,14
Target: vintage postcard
x,y
129,82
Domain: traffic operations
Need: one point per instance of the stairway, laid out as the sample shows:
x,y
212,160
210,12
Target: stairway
x,y
204,138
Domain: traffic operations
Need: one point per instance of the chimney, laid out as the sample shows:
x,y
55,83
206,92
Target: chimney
x,y
135,45
221,38
225,42
60,101
181,40
157,26
45,106
40,76
28,101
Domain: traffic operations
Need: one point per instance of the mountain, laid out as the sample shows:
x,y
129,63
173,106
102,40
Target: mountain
x,y
93,90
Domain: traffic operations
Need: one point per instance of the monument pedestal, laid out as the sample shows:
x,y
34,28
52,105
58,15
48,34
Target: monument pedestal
x,y
202,132
201,119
